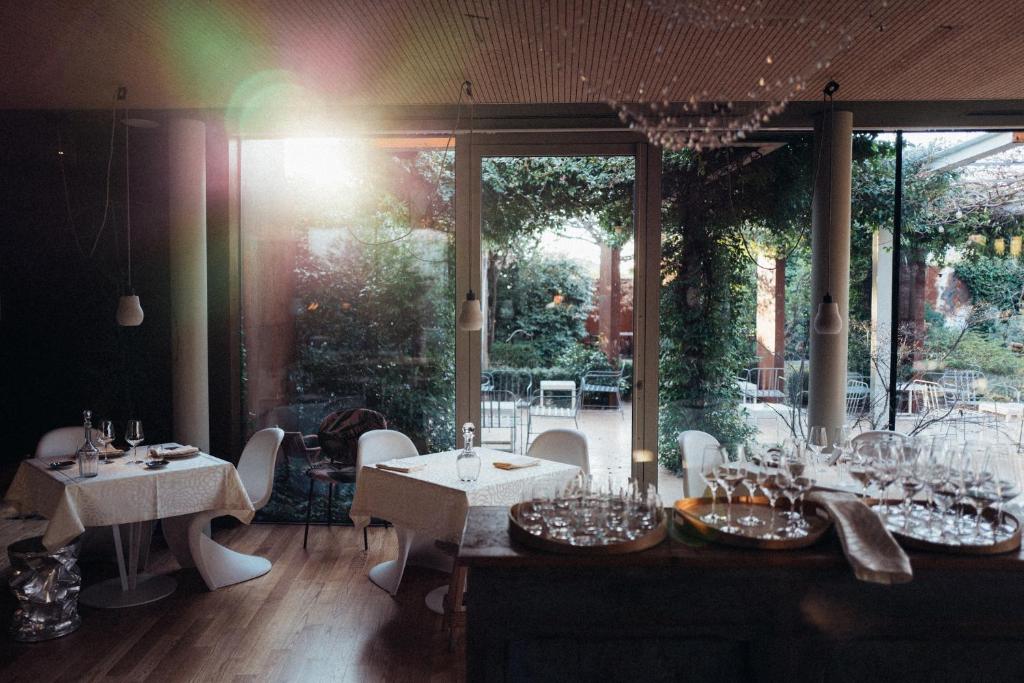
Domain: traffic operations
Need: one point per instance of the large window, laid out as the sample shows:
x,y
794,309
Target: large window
x,y
557,281
347,290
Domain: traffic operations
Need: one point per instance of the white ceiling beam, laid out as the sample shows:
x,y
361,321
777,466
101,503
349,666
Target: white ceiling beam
x,y
969,151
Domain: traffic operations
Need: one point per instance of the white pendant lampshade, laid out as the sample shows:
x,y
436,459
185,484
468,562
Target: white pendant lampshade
x,y
828,320
129,311
470,317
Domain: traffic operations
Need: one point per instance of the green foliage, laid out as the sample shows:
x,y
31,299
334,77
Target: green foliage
x,y
975,350
528,309
517,354
578,358
994,280
706,306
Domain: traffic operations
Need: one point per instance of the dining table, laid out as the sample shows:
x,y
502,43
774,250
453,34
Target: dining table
x,y
430,504
126,494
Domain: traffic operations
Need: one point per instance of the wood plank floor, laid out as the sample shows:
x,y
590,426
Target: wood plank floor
x,y
314,617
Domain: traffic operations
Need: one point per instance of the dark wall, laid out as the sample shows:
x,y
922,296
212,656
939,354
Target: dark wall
x,y
60,348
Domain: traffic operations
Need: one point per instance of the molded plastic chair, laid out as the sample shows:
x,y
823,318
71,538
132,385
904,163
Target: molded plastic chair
x,y
63,441
562,445
220,566
691,449
380,445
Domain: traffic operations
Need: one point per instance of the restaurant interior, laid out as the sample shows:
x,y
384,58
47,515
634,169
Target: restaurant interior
x,y
512,340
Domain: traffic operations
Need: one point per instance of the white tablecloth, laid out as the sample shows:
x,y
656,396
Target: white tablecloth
x,y
124,493
433,501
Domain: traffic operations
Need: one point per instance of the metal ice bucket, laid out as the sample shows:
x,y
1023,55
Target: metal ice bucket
x,y
45,584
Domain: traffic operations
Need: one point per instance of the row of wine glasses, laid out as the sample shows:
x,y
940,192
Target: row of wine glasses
x,y
589,512
133,435
781,473
946,492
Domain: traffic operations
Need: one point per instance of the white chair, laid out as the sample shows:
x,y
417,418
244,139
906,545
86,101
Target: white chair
x,y
380,445
63,441
562,445
691,451
220,566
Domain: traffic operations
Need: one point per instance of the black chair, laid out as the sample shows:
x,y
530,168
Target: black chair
x,y
331,455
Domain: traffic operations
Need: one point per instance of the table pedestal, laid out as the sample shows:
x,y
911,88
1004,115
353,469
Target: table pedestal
x,y
412,549
130,588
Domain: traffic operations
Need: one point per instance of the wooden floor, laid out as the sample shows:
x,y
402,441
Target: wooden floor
x,y
314,617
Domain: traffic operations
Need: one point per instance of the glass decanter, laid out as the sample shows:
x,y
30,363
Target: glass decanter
x,y
468,462
88,455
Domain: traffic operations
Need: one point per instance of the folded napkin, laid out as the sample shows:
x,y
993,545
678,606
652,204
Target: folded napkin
x,y
515,462
402,465
869,547
174,451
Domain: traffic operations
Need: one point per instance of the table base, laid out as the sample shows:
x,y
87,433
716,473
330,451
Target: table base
x,y
109,595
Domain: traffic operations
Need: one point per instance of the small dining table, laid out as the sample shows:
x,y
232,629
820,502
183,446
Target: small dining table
x,y
131,495
430,504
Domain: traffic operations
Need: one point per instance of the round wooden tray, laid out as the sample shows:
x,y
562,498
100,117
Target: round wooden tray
x,y
689,511
649,540
1005,546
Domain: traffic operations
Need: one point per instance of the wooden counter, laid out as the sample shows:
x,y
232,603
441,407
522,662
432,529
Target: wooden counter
x,y
681,611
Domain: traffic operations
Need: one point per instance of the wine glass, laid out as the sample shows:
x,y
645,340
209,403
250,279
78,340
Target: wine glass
x,y
817,441
767,480
729,477
861,470
134,436
710,460
750,471
1006,486
910,476
787,484
106,438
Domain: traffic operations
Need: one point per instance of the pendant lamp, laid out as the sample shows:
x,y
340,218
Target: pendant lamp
x,y
471,317
129,308
828,320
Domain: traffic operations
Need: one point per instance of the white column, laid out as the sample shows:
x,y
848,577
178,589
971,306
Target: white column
x,y
187,218
830,266
881,325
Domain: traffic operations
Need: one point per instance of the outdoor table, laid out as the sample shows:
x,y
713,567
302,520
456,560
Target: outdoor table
x,y
431,504
130,494
560,387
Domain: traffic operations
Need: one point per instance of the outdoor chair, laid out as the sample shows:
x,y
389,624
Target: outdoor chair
x,y
517,382
692,443
963,386
858,395
604,383
499,412
554,404
762,385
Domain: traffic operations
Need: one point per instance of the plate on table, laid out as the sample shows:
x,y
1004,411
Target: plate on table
x,y
690,510
157,464
60,464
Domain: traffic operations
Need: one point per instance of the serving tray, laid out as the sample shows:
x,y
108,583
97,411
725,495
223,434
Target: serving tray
x,y
1003,545
689,511
553,545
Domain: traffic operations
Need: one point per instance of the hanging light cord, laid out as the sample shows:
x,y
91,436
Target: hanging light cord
x,y
128,204
828,208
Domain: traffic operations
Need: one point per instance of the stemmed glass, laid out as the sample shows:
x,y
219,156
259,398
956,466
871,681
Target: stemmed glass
x,y
749,470
767,479
106,438
729,477
886,469
134,436
817,441
861,469
1006,487
786,480
911,478
710,460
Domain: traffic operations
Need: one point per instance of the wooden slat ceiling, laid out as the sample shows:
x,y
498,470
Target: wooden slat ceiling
x,y
211,53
